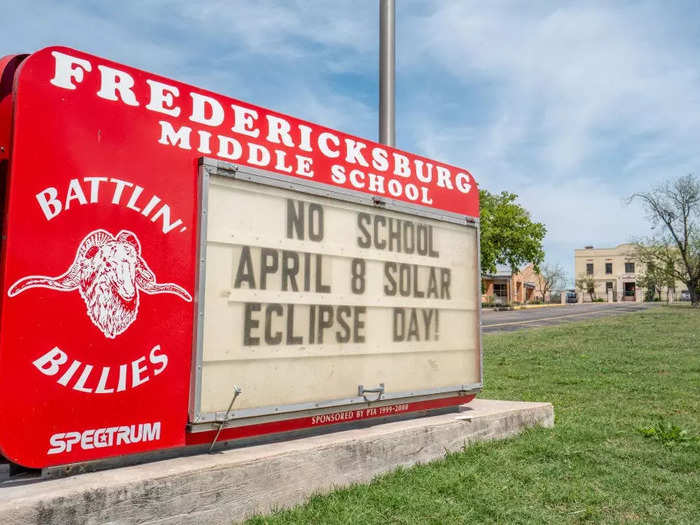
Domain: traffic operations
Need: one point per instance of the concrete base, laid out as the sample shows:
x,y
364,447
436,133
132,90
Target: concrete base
x,y
229,486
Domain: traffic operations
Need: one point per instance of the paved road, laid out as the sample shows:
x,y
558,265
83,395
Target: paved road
x,y
530,317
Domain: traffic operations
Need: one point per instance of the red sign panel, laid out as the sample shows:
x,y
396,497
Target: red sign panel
x,y
98,262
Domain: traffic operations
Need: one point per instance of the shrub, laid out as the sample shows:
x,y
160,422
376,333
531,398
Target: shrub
x,y
666,433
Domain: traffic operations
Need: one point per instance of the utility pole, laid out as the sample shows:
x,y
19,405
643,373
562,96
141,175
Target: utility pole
x,y
387,62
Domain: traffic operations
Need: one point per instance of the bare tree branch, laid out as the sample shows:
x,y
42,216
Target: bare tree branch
x,y
676,206
551,277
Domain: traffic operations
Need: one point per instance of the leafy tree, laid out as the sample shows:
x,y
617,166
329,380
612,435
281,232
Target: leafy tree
x,y
654,280
551,277
674,210
586,283
508,234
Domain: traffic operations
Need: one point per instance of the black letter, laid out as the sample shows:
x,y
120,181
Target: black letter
x,y
432,283
291,338
320,287
367,241
445,277
346,328
416,291
359,324
404,280
249,323
379,219
399,327
265,267
389,289
289,271
413,326
394,235
409,237
325,319
269,338
427,320
357,282
312,324
307,272
431,251
245,270
315,230
422,239
295,219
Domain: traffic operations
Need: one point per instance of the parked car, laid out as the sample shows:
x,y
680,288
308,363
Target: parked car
x,y
685,295
571,297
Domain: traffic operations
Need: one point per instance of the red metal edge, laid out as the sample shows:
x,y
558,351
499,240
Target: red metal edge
x,y
8,68
9,65
323,420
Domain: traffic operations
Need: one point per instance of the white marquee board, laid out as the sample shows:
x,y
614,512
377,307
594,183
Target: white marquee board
x,y
307,297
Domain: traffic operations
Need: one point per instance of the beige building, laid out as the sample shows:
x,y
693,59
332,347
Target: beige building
x,y
506,287
613,270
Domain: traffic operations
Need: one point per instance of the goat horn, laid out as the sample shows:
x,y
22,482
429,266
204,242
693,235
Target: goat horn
x,y
152,288
64,283
68,281
146,281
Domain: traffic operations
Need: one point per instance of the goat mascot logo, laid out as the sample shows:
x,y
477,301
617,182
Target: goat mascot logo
x,y
108,271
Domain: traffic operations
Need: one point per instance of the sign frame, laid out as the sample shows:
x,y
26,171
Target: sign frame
x,y
202,421
123,162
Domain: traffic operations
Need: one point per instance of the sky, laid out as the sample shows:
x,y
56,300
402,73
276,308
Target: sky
x,y
573,106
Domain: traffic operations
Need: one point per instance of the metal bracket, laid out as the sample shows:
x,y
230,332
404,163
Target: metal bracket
x,y
379,390
236,392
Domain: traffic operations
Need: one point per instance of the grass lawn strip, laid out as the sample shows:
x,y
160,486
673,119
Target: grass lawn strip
x,y
624,449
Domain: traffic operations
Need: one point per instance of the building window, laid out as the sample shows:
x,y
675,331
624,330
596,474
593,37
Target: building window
x,y
629,267
608,268
499,290
608,286
589,269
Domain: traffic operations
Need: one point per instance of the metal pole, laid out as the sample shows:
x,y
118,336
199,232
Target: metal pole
x,y
236,392
387,61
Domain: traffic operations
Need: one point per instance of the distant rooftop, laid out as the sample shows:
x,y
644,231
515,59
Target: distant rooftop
x,y
591,247
503,270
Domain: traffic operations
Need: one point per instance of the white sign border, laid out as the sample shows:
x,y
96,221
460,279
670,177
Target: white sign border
x,y
209,166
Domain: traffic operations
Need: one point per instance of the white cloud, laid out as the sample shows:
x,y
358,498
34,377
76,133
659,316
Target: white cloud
x,y
570,79
571,105
286,28
579,106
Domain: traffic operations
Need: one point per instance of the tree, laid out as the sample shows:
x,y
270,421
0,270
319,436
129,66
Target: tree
x,y
674,210
654,280
508,234
586,283
551,277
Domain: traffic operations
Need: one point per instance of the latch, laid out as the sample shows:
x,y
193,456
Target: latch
x,y
379,390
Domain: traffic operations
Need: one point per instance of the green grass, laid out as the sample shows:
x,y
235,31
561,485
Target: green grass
x,y
624,449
